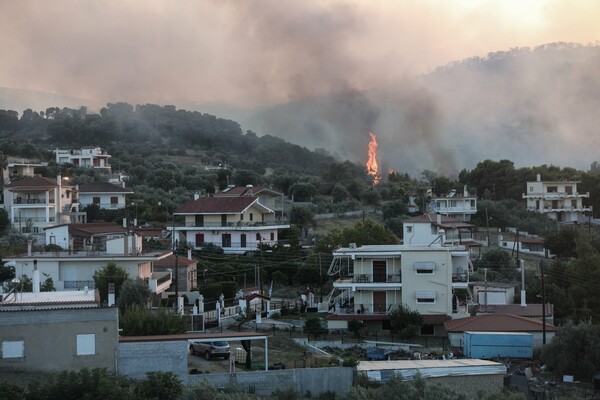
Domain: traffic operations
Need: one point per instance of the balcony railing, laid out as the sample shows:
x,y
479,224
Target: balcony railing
x,y
79,285
36,200
369,278
25,220
110,206
238,224
250,245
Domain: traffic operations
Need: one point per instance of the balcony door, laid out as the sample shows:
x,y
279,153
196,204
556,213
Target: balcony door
x,y
379,303
199,239
199,220
226,240
379,271
243,240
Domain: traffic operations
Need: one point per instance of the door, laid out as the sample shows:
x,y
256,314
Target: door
x,y
199,220
199,239
379,303
243,240
379,271
223,219
226,240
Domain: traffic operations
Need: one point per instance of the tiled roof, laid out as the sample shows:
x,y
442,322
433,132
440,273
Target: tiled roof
x,y
169,261
96,228
37,182
216,205
47,299
241,191
102,187
446,222
435,319
497,323
530,310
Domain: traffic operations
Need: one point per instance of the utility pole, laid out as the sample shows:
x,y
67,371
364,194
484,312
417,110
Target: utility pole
x,y
176,277
487,221
320,278
543,304
485,302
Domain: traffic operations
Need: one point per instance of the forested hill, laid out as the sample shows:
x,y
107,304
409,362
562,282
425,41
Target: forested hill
x,y
153,131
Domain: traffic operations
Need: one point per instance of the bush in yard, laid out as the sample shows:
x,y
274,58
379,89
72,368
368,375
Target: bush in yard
x,y
160,386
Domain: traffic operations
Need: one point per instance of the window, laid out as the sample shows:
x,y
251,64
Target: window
x,y
114,200
13,349
251,217
86,344
531,188
425,296
552,189
569,189
272,235
258,237
96,200
428,330
424,267
409,228
241,217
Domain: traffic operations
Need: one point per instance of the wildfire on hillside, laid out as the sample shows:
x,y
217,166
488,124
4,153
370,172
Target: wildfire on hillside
x,y
372,167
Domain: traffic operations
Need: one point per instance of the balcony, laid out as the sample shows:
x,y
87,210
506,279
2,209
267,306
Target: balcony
x,y
79,285
18,200
25,219
239,225
159,282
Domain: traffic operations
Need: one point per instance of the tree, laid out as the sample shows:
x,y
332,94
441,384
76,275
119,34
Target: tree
x,y
134,292
405,322
500,266
313,326
160,385
361,233
357,327
109,274
561,243
48,284
303,217
139,321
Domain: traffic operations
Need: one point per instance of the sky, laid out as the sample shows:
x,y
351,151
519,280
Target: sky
x,y
258,53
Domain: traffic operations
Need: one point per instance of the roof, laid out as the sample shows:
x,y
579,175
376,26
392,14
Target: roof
x,y
34,183
103,187
192,336
435,319
530,310
96,228
169,261
220,205
256,296
445,221
497,323
423,364
61,299
246,191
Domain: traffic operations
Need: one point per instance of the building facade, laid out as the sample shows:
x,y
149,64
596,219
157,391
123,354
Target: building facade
x,y
457,205
103,194
87,157
558,200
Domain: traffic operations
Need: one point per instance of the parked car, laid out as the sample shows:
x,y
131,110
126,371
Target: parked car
x,y
210,349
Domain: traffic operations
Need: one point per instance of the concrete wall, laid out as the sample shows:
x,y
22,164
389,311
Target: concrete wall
x,y
50,338
134,359
303,380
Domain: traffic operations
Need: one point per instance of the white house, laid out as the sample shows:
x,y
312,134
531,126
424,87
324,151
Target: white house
x,y
35,203
429,228
237,224
558,200
88,236
88,157
268,197
457,205
106,195
372,281
75,269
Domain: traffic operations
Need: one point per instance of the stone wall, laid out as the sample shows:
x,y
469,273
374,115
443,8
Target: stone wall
x,y
134,359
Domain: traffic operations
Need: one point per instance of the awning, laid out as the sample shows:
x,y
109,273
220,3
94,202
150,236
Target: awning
x,y
425,265
425,294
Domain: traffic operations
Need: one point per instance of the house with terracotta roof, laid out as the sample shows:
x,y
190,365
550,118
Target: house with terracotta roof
x,y
271,198
537,311
499,323
430,228
35,203
523,243
372,281
237,224
103,194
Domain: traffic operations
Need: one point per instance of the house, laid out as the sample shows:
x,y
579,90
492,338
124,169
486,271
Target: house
x,y
185,272
90,236
493,293
87,157
429,228
268,197
372,281
41,339
498,323
536,311
523,243
558,200
36,203
237,224
456,205
75,269
103,194
19,169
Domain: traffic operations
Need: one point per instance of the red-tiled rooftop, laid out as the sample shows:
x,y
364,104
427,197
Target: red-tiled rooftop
x,y
530,310
36,182
497,323
169,261
216,205
96,228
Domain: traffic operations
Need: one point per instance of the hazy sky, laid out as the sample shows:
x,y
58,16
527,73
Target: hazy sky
x,y
252,53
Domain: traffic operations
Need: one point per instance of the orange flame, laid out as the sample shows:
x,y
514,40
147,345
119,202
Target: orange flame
x,y
372,167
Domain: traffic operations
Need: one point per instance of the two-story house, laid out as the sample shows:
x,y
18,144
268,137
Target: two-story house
x,y
558,200
461,206
431,228
372,281
268,197
35,203
88,157
237,224
91,236
103,194
74,270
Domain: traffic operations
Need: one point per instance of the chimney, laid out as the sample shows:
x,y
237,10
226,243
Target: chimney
x,y
29,243
190,254
126,245
539,177
196,195
465,191
523,293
